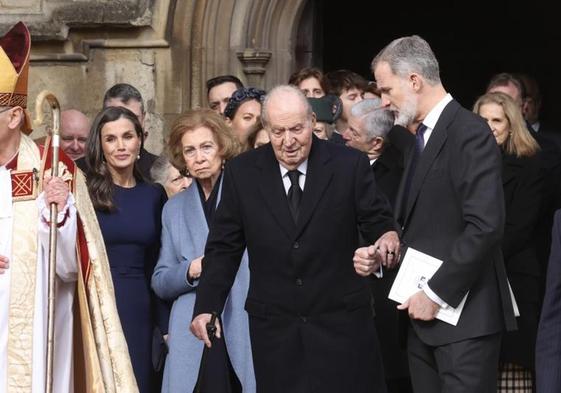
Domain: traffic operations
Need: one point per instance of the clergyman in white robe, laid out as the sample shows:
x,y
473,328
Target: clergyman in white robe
x,y
66,270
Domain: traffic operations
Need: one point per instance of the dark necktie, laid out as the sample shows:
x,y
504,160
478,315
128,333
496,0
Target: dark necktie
x,y
294,194
419,146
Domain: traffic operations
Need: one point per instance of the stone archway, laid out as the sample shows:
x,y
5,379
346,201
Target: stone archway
x,y
166,48
252,39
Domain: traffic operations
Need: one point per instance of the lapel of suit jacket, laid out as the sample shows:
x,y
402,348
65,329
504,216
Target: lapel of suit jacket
x,y
318,176
429,154
399,210
379,168
272,190
388,160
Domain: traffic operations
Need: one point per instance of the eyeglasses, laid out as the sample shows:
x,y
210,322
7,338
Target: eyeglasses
x,y
5,109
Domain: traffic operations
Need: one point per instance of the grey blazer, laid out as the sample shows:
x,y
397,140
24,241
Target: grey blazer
x,y
184,234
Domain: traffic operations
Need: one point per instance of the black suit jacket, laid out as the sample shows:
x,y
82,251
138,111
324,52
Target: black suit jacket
x,y
388,169
455,212
310,314
337,138
549,133
548,344
402,140
550,162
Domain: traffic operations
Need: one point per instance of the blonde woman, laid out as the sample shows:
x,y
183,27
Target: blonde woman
x,y
522,185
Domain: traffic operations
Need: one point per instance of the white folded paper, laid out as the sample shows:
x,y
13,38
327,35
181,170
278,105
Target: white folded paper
x,y
513,300
415,271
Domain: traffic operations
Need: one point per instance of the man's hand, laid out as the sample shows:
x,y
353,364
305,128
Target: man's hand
x,y
198,328
195,269
4,264
56,191
387,248
420,306
365,261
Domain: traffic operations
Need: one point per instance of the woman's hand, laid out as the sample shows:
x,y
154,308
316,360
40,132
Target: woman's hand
x,y
195,268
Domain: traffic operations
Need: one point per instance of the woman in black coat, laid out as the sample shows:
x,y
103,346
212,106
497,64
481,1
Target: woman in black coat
x,y
522,185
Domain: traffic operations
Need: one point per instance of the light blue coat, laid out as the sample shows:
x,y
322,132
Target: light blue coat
x,y
184,234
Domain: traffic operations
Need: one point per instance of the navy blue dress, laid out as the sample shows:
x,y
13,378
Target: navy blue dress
x,y
132,238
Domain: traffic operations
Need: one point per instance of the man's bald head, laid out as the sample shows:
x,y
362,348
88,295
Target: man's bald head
x,y
282,95
74,130
288,117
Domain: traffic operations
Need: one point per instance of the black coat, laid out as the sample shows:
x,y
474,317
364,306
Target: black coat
x,y
455,212
522,185
548,344
550,163
388,169
310,314
337,138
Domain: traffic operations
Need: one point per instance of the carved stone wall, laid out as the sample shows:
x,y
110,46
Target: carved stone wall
x,y
166,48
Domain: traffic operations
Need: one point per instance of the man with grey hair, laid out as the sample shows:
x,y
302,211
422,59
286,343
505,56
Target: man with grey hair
x,y
368,127
298,204
451,207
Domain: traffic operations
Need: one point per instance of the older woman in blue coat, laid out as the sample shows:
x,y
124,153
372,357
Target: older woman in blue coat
x,y
200,142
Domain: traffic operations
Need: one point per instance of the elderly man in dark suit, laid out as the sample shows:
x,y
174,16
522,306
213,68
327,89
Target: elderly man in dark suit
x,y
548,344
450,206
299,204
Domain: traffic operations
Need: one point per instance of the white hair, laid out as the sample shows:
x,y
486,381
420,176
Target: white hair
x,y
376,120
283,89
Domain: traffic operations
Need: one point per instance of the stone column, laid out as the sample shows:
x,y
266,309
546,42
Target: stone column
x,y
254,63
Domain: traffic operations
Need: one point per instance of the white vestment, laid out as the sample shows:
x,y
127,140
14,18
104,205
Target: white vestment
x,y
66,270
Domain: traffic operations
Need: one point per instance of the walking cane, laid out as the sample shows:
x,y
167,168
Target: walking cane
x,y
211,331
55,143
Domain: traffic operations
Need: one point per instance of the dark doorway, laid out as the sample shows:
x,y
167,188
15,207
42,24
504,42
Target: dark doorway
x,y
472,41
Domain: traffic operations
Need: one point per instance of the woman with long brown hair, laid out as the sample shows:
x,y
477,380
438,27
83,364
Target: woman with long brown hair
x,y
522,185
129,213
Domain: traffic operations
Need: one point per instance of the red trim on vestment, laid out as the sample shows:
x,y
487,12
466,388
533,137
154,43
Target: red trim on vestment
x,y
13,163
60,224
83,252
81,244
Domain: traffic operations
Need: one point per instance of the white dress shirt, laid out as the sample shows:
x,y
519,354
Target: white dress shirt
x,y
302,168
